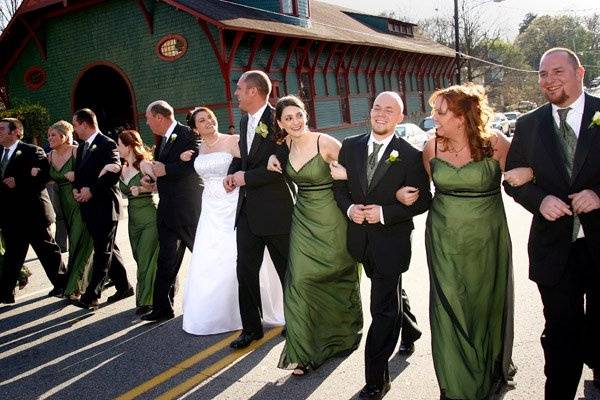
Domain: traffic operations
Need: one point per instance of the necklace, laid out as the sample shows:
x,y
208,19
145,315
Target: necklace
x,y
209,145
457,152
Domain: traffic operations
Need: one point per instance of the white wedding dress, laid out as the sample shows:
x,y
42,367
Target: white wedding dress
x,y
210,301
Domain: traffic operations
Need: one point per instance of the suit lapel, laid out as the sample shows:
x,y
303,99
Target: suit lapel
x,y
362,153
549,138
169,143
12,158
586,135
383,164
266,119
89,151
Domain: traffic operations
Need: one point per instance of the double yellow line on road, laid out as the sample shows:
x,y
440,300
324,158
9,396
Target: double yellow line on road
x,y
206,373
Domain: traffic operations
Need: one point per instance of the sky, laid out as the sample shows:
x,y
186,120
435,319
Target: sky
x,y
505,15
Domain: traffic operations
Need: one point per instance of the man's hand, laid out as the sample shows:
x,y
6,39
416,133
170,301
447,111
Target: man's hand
x,y
273,164
585,201
372,213
228,183
187,155
83,195
239,179
158,169
10,182
70,176
338,172
407,195
357,215
552,208
35,171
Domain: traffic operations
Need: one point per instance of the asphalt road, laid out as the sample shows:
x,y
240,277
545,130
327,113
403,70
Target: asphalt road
x,y
50,349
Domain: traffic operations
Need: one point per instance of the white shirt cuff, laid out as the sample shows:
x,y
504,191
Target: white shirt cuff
x,y
348,211
381,215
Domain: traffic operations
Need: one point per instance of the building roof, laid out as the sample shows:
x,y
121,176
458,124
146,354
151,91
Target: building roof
x,y
327,23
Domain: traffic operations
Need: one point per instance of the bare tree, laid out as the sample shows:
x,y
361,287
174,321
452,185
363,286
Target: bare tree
x,y
8,8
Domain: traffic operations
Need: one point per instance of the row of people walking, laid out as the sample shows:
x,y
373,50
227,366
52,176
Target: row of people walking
x,y
354,203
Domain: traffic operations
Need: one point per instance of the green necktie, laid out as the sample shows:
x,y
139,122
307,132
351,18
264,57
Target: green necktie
x,y
372,161
4,161
568,141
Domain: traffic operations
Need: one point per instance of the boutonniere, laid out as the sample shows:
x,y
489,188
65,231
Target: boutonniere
x,y
173,137
595,120
262,129
393,157
94,147
18,153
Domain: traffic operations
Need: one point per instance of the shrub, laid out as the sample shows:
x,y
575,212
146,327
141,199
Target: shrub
x,y
35,119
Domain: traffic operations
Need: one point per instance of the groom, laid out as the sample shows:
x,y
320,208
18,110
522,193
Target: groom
x,y
264,211
560,142
378,164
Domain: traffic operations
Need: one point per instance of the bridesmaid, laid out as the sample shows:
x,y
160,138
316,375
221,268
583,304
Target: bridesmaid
x,y
62,162
143,234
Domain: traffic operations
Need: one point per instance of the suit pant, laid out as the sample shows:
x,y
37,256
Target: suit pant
x,y
107,261
386,314
570,335
172,242
251,249
17,241
410,330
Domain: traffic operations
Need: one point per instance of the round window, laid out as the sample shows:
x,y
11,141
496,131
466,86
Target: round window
x,y
35,78
171,47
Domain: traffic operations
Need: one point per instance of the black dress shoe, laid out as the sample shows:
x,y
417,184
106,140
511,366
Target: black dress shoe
x,y
374,392
86,304
8,299
120,295
57,292
406,349
141,310
158,315
596,380
283,332
245,339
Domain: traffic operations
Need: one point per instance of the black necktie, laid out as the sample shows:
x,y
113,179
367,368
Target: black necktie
x,y
86,146
4,161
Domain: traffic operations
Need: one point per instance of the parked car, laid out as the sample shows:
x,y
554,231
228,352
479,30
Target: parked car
x,y
427,124
512,119
501,123
414,135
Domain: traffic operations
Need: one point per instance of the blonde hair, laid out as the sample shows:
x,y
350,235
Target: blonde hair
x,y
64,128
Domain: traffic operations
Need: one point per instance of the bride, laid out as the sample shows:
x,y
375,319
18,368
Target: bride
x,y
210,300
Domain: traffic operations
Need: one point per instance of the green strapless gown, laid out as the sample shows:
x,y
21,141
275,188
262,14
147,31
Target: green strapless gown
x,y
322,306
81,246
471,292
143,236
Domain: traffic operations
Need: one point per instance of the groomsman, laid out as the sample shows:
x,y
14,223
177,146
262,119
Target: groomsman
x,y
378,164
264,211
26,213
560,141
180,192
99,202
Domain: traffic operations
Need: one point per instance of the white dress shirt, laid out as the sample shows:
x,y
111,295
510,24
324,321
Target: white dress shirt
x,y
253,121
11,150
170,131
385,142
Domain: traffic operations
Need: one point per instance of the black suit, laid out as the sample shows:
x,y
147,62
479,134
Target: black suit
x,y
565,271
25,218
101,213
383,249
263,218
180,192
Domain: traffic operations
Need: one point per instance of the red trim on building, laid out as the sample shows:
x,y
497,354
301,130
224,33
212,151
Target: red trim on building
x,y
274,49
255,45
35,78
148,17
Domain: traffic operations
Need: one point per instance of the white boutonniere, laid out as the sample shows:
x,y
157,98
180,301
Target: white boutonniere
x,y
18,153
262,129
173,137
94,147
393,157
595,120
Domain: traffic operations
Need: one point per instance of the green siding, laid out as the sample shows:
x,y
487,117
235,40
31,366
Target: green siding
x,y
359,109
328,113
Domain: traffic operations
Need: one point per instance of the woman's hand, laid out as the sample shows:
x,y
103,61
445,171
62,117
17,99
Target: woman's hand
x,y
35,171
146,169
70,176
518,176
114,168
187,155
407,195
274,165
338,172
135,190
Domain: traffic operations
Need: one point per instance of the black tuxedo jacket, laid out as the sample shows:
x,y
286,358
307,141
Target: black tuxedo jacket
x,y
536,145
266,197
104,206
28,203
180,190
388,243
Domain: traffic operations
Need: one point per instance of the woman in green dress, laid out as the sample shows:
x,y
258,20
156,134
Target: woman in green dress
x,y
468,247
81,247
322,304
143,234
